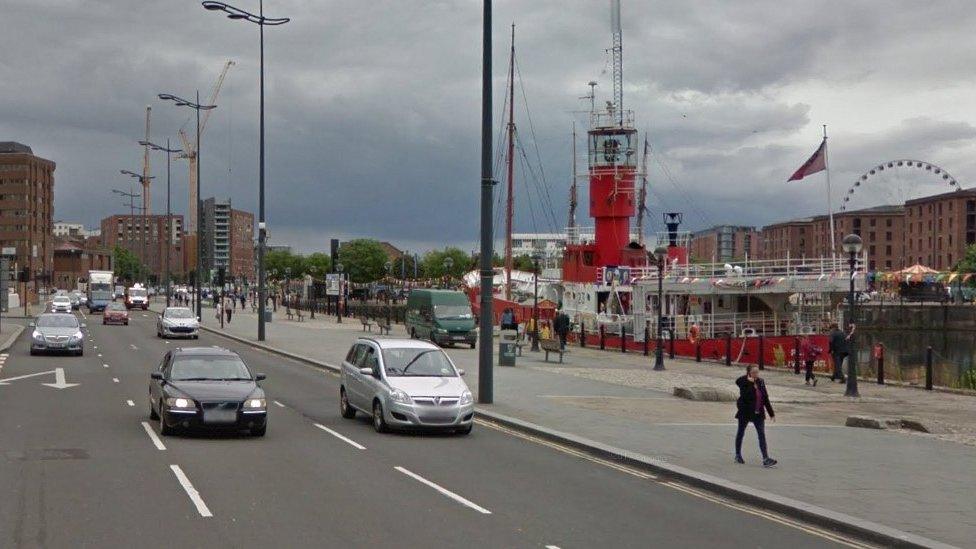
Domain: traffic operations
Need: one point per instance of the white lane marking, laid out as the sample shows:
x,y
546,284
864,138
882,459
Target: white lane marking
x,y
278,404
94,346
115,380
348,441
443,491
191,491
552,547
130,403
104,365
152,434
99,355
134,348
4,381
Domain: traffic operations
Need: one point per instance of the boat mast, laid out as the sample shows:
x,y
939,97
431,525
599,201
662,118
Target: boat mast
x,y
572,190
642,198
510,205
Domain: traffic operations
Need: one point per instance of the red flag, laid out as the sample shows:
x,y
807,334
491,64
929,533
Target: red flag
x,y
816,163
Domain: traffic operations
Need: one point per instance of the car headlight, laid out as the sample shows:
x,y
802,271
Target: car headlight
x,y
77,336
441,331
255,403
466,398
398,395
181,403
38,335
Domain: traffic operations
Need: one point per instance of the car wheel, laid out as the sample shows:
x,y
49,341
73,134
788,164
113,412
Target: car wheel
x,y
126,322
152,412
345,409
473,345
259,431
103,322
81,353
379,422
33,352
164,429
465,430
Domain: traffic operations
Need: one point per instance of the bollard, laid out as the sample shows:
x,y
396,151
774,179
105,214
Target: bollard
x,y
603,337
796,355
623,338
671,340
582,335
762,352
698,351
928,369
728,349
647,336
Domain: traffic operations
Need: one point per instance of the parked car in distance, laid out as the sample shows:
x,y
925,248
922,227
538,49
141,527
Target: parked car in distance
x,y
115,313
177,322
404,383
75,300
206,387
61,304
442,316
57,332
119,291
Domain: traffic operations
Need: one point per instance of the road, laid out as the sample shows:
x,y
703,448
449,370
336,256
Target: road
x,y
83,466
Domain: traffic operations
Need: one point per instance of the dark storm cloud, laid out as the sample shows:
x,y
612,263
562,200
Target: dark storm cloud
x,y
374,107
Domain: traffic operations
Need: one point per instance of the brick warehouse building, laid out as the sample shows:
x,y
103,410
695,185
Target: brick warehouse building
x,y
938,228
27,211
724,243
73,258
124,231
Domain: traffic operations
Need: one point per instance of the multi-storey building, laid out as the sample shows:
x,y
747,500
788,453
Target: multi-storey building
x,y
882,232
26,212
792,238
939,228
73,258
146,237
724,243
228,240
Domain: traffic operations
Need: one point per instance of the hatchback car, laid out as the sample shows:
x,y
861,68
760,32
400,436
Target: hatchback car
x,y
404,383
61,304
75,299
177,322
207,387
115,313
57,332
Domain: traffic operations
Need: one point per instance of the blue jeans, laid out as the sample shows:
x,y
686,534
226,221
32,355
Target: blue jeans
x,y
760,424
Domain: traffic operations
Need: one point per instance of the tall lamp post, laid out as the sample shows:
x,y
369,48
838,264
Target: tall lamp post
x,y
389,272
180,102
852,245
169,215
342,293
261,21
535,302
660,254
448,264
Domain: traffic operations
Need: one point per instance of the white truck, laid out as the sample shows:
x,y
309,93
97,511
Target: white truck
x,y
99,290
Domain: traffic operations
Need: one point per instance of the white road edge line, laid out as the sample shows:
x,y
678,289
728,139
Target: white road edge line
x,y
443,491
152,435
130,403
115,380
191,491
552,547
347,440
278,404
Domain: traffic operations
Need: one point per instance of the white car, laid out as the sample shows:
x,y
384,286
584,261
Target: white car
x,y
405,383
61,304
177,322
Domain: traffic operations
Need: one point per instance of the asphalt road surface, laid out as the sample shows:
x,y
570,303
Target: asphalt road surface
x,y
83,466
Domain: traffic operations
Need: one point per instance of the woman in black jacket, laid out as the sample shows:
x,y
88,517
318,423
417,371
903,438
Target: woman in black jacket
x,y
752,406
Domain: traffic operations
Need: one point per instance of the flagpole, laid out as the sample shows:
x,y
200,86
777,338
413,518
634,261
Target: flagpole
x,y
830,210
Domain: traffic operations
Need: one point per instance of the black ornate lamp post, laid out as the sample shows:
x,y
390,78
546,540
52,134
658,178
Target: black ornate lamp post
x,y
852,245
342,293
660,254
535,303
169,215
448,263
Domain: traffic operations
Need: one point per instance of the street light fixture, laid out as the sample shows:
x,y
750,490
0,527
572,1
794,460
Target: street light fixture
x,y
535,302
342,294
261,21
180,102
852,245
660,254
448,263
169,215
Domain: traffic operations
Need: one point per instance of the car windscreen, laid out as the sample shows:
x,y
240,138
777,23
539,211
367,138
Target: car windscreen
x,y
57,321
417,362
114,307
137,292
204,367
178,313
62,299
446,312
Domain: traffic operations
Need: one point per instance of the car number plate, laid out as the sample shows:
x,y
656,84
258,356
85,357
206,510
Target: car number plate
x,y
220,416
459,338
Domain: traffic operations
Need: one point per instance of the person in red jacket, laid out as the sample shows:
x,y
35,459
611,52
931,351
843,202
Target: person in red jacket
x,y
752,405
808,354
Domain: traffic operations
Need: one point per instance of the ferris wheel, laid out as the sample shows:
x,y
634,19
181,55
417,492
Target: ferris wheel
x,y
897,181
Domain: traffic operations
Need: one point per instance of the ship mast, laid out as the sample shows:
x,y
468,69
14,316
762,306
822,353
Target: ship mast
x,y
642,197
510,205
572,190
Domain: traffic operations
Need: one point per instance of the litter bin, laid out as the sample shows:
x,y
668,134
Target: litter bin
x,y
506,347
267,314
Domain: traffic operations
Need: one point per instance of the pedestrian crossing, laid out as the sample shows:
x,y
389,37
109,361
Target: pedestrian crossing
x,y
3,360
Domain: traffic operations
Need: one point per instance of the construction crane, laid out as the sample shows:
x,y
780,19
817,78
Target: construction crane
x,y
190,150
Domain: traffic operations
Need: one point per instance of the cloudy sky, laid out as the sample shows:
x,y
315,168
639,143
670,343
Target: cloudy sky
x,y
373,123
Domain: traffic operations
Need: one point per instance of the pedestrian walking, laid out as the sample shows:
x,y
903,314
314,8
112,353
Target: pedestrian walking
x,y
243,301
229,307
561,327
838,350
507,321
752,406
808,354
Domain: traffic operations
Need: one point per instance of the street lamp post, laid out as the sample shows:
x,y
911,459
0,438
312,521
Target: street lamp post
x,y
339,297
389,287
535,303
180,102
660,253
260,20
169,215
852,245
311,292
448,264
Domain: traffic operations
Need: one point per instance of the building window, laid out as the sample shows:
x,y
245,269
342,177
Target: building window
x,y
888,236
871,250
871,223
888,249
887,264
871,235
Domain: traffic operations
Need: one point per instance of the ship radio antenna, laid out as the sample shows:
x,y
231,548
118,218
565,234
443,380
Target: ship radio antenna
x,y
618,60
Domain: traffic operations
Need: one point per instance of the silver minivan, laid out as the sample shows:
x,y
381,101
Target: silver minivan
x,y
405,383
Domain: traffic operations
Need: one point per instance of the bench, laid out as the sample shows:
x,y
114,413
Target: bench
x,y
367,323
384,326
552,346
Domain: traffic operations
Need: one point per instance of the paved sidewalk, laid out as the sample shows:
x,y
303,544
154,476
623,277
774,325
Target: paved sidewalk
x,y
919,483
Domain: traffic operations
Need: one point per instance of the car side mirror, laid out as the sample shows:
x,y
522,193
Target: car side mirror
x,y
460,372
156,375
260,377
366,371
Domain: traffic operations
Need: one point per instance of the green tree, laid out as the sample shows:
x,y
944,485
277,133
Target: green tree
x,y
363,259
433,263
278,262
404,265
968,262
523,263
127,265
317,264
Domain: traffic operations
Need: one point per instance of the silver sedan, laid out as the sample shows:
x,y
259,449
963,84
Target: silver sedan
x,y
177,322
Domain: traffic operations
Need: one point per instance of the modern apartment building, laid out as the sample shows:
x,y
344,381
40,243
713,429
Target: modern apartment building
x,y
27,212
228,240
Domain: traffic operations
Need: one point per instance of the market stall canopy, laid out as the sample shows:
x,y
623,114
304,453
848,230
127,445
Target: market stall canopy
x,y
917,269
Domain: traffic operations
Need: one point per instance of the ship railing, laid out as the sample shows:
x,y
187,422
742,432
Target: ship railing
x,y
578,235
752,268
611,118
738,324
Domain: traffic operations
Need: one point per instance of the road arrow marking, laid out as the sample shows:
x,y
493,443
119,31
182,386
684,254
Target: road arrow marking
x,y
59,380
4,381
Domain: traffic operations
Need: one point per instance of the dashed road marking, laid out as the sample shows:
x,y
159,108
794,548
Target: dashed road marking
x,y
343,438
152,435
444,491
99,355
130,403
115,380
104,365
278,404
191,491
134,348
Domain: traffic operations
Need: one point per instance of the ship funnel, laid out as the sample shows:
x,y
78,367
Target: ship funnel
x,y
671,221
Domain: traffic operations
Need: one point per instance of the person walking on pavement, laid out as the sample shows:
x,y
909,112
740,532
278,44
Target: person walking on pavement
x,y
507,321
229,307
561,326
838,350
752,405
243,301
808,354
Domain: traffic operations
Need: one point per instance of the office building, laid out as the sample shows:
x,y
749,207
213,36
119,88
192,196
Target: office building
x,y
26,213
